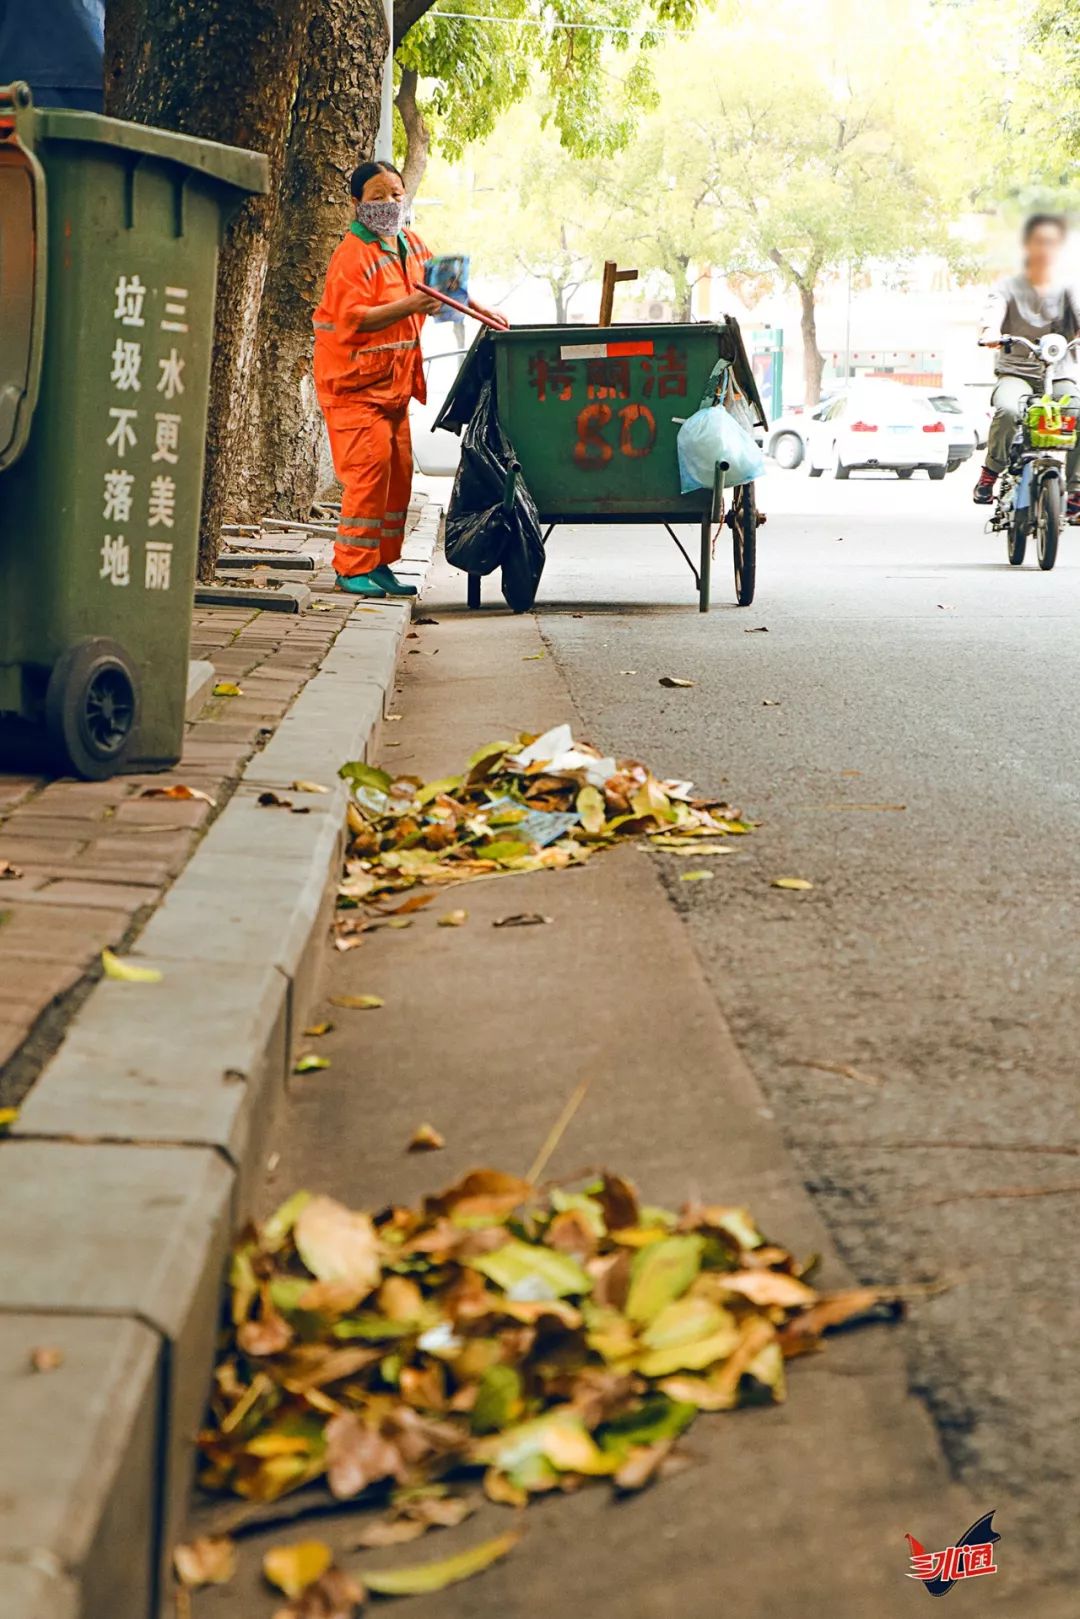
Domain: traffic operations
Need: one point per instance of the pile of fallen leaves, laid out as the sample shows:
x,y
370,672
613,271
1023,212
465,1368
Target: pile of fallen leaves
x,y
538,1338
539,803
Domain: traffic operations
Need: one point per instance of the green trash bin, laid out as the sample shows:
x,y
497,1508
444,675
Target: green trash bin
x,y
109,235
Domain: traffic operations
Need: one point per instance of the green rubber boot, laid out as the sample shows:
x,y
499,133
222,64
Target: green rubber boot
x,y
361,584
389,581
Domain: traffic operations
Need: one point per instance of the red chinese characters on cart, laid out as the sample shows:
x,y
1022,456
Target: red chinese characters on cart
x,y
613,389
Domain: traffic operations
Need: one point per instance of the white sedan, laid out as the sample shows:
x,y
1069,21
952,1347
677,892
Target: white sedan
x,y
886,426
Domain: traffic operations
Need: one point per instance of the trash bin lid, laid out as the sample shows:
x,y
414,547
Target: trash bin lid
x,y
230,165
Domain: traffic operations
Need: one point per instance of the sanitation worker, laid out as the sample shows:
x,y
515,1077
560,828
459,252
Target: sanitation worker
x,y
367,368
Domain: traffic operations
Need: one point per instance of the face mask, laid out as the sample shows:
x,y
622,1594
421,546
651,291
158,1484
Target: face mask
x,y
385,218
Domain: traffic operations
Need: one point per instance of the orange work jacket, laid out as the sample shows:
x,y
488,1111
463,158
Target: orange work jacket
x,y
353,366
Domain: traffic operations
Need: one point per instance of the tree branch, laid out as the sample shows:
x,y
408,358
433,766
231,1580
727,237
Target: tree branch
x,y
417,135
406,12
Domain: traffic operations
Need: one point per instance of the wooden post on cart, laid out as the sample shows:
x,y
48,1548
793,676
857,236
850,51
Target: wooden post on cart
x,y
612,273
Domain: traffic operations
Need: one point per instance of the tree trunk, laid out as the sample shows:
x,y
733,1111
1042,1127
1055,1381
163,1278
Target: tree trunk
x,y
558,292
684,292
226,70
813,364
417,134
334,123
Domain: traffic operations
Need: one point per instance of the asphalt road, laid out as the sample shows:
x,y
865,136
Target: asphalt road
x,y
904,730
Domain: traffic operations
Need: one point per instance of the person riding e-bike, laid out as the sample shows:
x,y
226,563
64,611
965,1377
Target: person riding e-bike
x,y
1031,304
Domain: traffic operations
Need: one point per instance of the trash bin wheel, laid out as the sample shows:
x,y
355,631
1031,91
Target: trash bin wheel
x,y
92,708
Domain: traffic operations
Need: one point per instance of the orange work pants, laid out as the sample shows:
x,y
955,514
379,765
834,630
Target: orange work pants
x,y
372,454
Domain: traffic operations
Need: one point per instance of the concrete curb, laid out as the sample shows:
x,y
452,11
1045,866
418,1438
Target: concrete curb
x,y
139,1149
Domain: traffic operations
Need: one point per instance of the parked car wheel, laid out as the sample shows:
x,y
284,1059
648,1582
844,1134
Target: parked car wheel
x,y
937,473
788,451
904,472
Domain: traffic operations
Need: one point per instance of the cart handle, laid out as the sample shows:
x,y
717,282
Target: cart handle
x,y
452,303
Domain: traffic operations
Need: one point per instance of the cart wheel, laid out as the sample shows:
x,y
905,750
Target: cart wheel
x,y
92,708
743,520
474,590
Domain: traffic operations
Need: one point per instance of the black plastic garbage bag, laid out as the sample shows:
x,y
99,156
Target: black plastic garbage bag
x,y
485,530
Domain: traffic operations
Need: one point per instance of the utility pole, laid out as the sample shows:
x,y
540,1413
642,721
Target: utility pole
x,y
384,140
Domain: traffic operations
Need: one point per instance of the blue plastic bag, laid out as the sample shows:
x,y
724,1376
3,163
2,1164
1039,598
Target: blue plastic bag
x,y
711,435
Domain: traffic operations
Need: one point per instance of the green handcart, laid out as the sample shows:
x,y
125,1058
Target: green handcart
x,y
109,237
593,414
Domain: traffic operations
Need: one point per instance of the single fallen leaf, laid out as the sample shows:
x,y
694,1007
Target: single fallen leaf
x,y
209,1560
178,791
425,1138
8,872
758,629
125,973
590,806
337,1244
269,800
769,702
389,744
798,883
672,681
358,1003
697,876
227,688
46,1358
453,919
308,1063
522,919
845,1070
425,621
316,1030
532,657
413,1516
358,1455
802,1332
392,719
436,1576
8,1115
308,787
293,1568
768,1287
334,1595
630,672
641,1465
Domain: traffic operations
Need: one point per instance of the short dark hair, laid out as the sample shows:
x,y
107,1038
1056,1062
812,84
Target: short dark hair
x,y
1035,222
368,171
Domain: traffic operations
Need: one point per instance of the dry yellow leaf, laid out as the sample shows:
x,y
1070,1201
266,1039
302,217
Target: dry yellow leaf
x,y
425,1138
358,1003
453,919
125,973
798,883
46,1358
209,1560
293,1568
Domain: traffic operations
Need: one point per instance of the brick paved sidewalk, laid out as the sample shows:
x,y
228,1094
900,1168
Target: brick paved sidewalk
x,y
94,858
